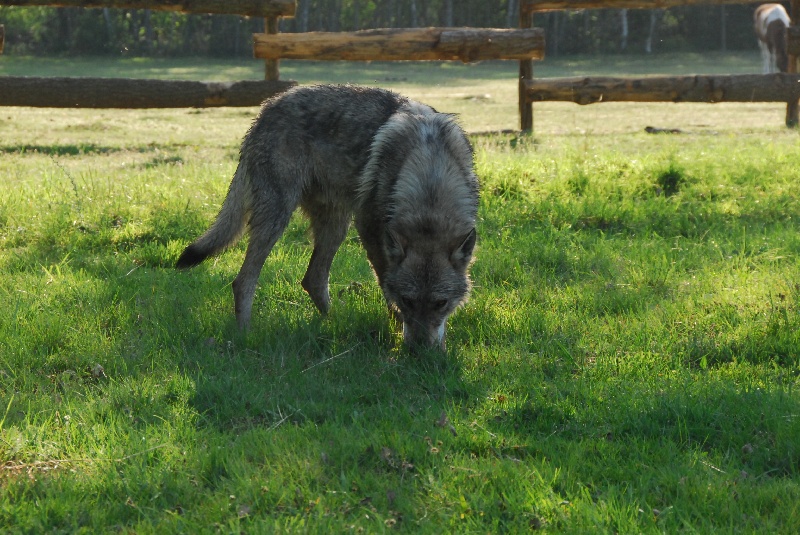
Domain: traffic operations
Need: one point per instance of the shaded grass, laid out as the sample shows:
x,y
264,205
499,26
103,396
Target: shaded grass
x,y
628,361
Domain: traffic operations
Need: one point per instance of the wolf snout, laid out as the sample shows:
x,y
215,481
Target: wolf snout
x,y
417,335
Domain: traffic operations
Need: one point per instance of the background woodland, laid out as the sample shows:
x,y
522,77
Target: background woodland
x,y
145,33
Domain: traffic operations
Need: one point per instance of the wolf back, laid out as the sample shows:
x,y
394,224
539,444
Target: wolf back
x,y
401,170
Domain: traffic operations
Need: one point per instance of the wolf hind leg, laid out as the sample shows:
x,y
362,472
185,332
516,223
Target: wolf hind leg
x,y
265,227
329,227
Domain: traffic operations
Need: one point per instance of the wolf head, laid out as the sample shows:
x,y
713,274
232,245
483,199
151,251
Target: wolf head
x,y
426,280
419,203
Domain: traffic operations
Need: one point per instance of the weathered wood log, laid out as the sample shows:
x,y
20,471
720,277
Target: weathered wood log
x,y
711,89
541,6
250,8
465,44
133,93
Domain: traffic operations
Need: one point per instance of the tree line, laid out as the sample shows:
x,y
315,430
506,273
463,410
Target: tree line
x,y
45,30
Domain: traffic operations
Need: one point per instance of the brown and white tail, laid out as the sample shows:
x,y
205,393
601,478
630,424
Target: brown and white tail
x,y
229,226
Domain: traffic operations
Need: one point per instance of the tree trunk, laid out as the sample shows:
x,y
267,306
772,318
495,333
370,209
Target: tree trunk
x,y
148,31
556,33
448,13
303,18
655,16
187,30
237,36
512,14
64,27
333,15
623,13
109,26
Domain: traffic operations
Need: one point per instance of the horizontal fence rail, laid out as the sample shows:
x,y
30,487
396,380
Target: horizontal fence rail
x,y
528,7
697,88
464,44
134,93
250,8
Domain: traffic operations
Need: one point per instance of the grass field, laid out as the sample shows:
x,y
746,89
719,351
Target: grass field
x,y
628,363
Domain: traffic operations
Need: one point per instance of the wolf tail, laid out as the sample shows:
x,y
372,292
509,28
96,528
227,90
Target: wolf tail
x,y
229,226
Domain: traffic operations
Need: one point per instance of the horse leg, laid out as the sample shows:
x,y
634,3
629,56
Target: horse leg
x,y
766,58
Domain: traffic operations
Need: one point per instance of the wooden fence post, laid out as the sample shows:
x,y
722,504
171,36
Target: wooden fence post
x,y
525,75
792,110
271,66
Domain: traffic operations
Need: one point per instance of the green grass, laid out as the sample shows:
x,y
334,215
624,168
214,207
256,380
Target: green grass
x,y
628,361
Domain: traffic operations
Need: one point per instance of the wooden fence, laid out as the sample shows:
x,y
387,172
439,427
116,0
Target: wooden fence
x,y
465,44
131,93
700,88
417,44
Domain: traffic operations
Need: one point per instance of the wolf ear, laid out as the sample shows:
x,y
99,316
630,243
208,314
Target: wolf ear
x,y
395,246
461,255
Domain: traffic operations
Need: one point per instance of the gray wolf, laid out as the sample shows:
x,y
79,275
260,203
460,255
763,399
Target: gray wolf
x,y
771,22
401,171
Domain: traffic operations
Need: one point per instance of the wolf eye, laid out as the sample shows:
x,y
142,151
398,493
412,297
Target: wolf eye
x,y
440,304
407,302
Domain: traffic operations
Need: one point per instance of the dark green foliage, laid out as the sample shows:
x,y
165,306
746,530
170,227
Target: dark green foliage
x,y
45,30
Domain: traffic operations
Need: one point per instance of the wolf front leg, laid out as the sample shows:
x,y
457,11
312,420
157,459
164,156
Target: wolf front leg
x,y
329,227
